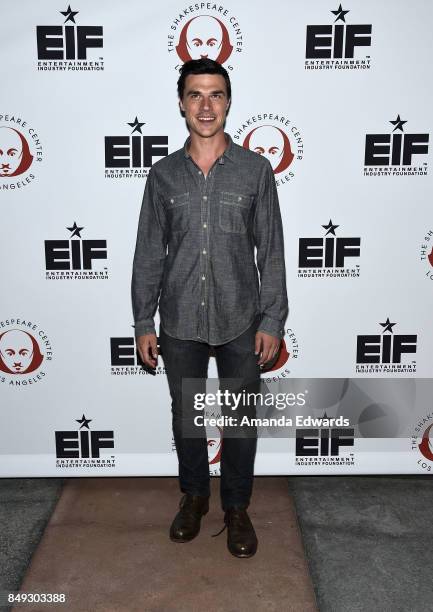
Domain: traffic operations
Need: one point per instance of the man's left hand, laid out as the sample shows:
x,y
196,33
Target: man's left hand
x,y
267,346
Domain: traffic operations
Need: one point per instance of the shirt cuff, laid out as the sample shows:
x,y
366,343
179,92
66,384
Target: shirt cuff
x,y
271,327
144,327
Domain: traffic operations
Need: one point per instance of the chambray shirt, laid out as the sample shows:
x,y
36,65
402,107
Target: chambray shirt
x,y
195,248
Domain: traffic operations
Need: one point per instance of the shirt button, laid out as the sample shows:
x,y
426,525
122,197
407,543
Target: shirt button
x,y
199,171
204,251
239,198
171,200
204,225
203,277
204,198
202,303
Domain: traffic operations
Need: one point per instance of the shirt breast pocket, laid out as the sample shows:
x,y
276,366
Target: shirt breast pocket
x,y
177,208
234,210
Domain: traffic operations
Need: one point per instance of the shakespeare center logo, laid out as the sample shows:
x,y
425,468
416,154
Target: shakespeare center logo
x,y
325,443
327,256
386,352
398,153
422,442
81,447
214,446
205,30
289,351
132,155
69,46
76,258
426,254
338,45
20,152
25,352
125,359
275,137
214,450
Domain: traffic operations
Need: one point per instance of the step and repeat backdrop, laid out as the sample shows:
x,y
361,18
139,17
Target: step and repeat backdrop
x,y
338,98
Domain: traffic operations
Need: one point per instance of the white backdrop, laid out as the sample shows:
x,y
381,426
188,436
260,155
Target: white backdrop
x,y
76,83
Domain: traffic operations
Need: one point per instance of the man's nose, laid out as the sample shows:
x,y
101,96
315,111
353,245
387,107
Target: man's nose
x,y
205,103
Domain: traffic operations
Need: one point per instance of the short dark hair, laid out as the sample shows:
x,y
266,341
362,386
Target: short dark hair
x,y
202,66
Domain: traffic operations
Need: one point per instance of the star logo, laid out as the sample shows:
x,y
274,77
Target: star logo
x,y
340,14
75,230
330,228
84,422
136,125
69,14
387,326
398,124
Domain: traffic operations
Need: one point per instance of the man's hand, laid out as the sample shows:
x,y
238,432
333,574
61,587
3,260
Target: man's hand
x,y
148,351
267,345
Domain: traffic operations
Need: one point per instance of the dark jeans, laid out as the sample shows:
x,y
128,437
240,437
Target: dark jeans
x,y
235,361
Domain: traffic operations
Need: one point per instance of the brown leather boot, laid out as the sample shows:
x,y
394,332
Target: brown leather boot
x,y
186,524
241,537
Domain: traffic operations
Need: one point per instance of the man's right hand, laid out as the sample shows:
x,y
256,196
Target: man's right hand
x,y
148,350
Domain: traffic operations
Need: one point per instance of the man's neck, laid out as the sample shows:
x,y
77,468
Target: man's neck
x,y
207,150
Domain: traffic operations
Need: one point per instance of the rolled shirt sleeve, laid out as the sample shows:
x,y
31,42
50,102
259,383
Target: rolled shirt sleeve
x,y
269,241
149,256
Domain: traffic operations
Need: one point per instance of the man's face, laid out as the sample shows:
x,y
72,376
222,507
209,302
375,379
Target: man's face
x,y
16,350
204,38
205,103
11,151
268,141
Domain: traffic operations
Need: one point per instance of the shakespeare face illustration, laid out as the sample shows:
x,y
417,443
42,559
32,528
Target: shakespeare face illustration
x,y
15,155
426,446
272,143
19,352
214,447
204,36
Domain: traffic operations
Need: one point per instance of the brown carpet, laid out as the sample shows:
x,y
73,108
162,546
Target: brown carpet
x,y
107,548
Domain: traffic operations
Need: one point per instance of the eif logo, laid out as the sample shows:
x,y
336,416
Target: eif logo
x,y
82,447
132,155
384,352
66,47
328,256
324,445
335,45
75,258
393,154
125,359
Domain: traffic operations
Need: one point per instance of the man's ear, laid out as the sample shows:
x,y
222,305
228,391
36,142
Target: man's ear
x,y
181,106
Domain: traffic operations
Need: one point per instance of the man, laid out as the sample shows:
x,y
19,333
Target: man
x,y
205,208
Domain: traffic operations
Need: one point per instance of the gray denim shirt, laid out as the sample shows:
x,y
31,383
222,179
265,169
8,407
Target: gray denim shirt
x,y
195,248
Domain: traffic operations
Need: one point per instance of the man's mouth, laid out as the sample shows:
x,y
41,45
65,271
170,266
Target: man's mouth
x,y
206,119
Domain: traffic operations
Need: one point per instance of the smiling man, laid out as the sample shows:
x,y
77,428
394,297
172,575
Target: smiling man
x,y
207,209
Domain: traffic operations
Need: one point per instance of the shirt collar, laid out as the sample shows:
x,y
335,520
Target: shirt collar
x,y
228,153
